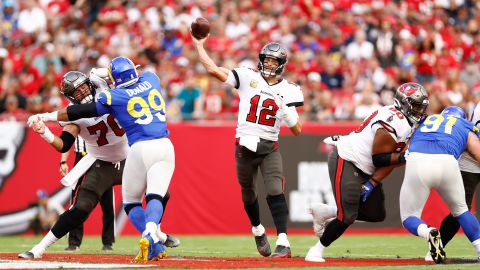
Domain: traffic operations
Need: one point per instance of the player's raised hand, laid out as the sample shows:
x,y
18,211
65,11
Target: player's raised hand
x,y
196,41
38,126
31,119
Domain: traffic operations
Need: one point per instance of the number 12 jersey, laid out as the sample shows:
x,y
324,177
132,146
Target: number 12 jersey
x,y
258,113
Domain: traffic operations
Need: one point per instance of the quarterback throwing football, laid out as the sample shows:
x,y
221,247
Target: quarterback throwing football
x,y
265,99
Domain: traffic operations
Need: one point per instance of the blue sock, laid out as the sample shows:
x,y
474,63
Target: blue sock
x,y
412,223
470,225
154,210
136,214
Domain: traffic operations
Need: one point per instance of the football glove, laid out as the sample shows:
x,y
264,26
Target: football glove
x,y
367,189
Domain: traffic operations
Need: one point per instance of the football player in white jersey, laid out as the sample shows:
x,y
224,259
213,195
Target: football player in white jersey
x,y
470,170
98,171
265,99
361,160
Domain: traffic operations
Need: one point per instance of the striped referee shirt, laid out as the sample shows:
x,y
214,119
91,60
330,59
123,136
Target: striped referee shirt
x,y
80,146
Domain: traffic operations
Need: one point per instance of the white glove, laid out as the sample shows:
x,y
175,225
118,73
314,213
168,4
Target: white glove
x,y
44,117
100,72
98,80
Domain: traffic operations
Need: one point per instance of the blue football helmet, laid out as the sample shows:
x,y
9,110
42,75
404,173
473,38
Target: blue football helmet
x,y
122,72
454,111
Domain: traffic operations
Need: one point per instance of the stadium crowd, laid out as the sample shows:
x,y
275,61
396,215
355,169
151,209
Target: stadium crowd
x,y
348,56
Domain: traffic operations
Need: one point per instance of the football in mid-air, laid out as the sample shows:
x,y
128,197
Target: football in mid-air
x,y
200,28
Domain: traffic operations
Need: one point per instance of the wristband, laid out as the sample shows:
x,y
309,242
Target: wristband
x,y
48,135
49,117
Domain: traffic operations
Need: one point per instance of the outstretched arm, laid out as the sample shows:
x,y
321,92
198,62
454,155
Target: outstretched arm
x,y
220,73
61,143
71,113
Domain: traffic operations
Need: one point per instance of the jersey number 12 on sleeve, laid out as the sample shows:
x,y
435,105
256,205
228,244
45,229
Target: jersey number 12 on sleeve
x,y
267,114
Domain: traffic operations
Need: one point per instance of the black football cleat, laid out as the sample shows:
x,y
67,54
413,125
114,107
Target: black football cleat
x,y
263,246
436,247
282,252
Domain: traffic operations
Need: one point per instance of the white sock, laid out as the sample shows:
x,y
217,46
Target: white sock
x,y
423,231
476,244
161,235
258,230
47,241
282,240
332,211
151,228
319,245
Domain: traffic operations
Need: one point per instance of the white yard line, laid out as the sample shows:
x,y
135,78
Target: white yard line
x,y
14,264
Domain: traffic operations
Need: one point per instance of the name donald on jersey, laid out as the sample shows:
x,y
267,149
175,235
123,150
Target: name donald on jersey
x,y
142,87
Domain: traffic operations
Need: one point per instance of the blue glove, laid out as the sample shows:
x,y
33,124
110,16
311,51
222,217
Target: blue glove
x,y
367,189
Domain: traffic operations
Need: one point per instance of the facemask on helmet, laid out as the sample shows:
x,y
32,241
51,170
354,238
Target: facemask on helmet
x,y
412,100
77,87
454,111
122,72
276,51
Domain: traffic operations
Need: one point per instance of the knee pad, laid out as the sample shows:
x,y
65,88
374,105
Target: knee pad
x,y
274,187
86,200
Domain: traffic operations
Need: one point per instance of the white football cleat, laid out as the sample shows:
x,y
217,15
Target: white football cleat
x,y
315,253
322,214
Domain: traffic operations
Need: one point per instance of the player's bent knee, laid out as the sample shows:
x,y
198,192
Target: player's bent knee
x,y
457,211
87,200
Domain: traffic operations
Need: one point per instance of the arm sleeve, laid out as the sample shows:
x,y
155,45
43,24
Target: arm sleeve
x,y
104,102
296,98
79,111
68,140
233,79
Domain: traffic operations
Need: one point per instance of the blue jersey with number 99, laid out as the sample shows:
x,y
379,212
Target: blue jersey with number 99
x,y
139,108
441,134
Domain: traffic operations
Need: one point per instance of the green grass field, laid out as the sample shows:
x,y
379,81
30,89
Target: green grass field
x,y
352,246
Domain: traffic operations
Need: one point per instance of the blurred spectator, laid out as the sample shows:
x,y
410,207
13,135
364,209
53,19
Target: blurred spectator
x,y
47,215
32,18
360,48
189,99
348,43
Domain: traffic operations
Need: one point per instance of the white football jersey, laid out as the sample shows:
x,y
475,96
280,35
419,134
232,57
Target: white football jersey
x,y
104,138
466,162
258,114
357,146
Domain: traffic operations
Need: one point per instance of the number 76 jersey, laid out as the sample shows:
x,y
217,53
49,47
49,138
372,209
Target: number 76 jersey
x,y
258,113
357,146
139,108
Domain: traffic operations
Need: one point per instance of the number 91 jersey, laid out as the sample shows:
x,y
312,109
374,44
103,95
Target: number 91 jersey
x,y
440,134
139,108
357,146
258,113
